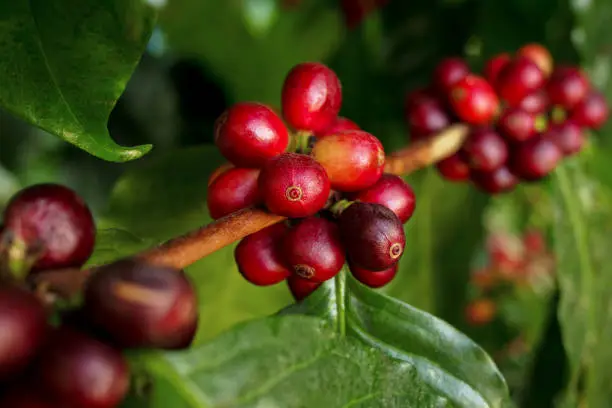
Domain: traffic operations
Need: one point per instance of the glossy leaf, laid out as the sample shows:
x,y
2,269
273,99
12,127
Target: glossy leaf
x,y
67,62
165,196
444,358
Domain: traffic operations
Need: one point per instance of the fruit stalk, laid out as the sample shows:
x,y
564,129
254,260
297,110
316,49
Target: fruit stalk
x,y
184,250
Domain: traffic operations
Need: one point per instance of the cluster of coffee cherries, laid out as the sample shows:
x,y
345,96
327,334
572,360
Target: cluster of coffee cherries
x,y
353,11
72,358
525,116
326,176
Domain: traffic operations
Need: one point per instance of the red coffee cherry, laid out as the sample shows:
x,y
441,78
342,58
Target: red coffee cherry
x,y
480,312
474,100
313,249
517,125
219,171
448,72
353,160
355,11
485,149
536,102
567,87
374,279
341,124
392,192
568,136
500,180
591,112
79,371
538,54
418,97
494,66
55,220
250,133
259,256
301,288
535,158
372,235
311,97
427,118
233,190
519,78
294,185
454,168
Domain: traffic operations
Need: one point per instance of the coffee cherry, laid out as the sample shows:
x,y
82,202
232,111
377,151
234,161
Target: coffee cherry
x,y
355,11
538,54
567,87
568,136
536,102
142,305
55,220
500,180
301,288
480,312
428,118
485,149
353,160
259,256
219,171
392,192
591,112
374,279
311,97
294,185
233,190
313,249
372,235
474,100
535,158
250,133
448,72
341,124
79,371
418,97
494,66
517,125
454,168
23,396
519,78
24,327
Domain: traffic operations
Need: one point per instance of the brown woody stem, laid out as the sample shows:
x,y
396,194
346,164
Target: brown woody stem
x,y
184,250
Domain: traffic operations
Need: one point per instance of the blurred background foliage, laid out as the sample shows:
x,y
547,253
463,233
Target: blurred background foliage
x,y
205,55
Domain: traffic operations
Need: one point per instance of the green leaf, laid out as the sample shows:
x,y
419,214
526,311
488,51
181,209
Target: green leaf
x,y
165,196
67,62
292,362
451,364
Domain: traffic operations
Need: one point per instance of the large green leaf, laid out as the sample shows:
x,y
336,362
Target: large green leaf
x,y
295,362
165,196
66,62
451,364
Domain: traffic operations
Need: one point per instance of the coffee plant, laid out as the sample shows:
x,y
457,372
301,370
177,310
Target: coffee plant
x,y
274,203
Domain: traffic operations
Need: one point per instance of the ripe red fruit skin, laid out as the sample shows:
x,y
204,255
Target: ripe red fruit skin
x,y
301,288
500,180
485,149
311,97
24,322
539,55
353,160
494,66
535,158
355,11
249,133
517,125
474,100
480,312
591,112
79,371
142,305
567,87
392,192
233,190
294,185
519,78
56,218
259,256
313,249
448,72
419,96
219,171
568,136
374,279
341,124
454,168
373,236
536,102
428,117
